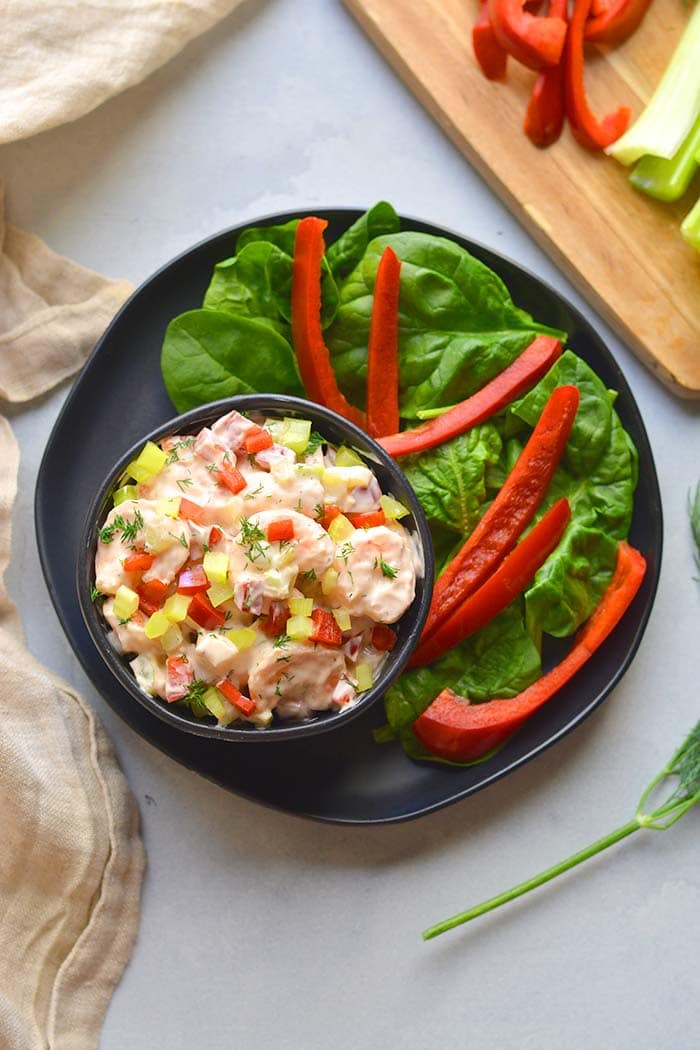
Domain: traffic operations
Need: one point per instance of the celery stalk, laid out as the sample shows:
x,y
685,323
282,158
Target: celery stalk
x,y
690,227
672,109
667,180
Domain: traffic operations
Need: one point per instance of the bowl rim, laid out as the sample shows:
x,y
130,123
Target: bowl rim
x,y
199,416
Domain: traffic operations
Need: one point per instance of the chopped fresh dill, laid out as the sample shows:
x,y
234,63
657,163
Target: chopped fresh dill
x,y
183,540
254,539
255,492
346,550
128,529
309,576
96,594
388,570
281,641
183,483
212,468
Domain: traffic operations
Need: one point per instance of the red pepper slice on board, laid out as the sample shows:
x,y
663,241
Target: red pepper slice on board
x,y
190,511
257,439
236,697
325,628
533,40
508,581
311,351
616,22
367,520
231,478
587,129
453,728
383,638
492,58
513,381
138,562
511,511
544,116
383,349
203,612
280,530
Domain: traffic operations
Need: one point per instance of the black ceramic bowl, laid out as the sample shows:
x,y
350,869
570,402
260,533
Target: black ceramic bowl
x,y
338,431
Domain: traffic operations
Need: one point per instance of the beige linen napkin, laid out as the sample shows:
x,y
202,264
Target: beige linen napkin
x,y
71,858
60,59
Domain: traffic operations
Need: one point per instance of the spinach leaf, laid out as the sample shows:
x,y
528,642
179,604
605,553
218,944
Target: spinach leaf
x,y
345,253
208,354
458,326
282,236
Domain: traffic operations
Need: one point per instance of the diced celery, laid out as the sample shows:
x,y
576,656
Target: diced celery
x,y
275,583
157,625
392,508
242,637
690,227
124,493
126,602
176,607
172,639
168,507
301,606
218,705
299,628
342,618
215,565
297,433
151,458
156,541
363,674
281,558
310,470
340,529
137,472
346,457
219,593
329,580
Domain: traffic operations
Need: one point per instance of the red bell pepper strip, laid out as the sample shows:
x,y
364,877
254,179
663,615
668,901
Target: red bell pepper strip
x,y
544,116
203,612
235,697
190,511
275,623
492,58
616,22
368,520
453,728
138,562
508,581
383,638
533,40
231,478
257,439
599,7
193,580
325,629
513,381
511,511
311,351
383,349
280,530
587,129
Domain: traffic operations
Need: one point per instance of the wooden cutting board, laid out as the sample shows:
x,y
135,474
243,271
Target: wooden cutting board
x,y
621,249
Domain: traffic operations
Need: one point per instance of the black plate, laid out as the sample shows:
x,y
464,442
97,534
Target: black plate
x,y
344,776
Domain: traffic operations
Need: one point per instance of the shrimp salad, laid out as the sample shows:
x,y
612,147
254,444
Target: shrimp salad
x,y
253,570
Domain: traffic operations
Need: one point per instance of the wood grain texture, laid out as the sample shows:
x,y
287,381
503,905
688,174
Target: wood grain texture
x,y
622,250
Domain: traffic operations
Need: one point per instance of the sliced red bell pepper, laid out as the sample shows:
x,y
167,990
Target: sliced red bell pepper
x,y
383,638
236,697
311,351
508,581
280,530
193,580
154,591
617,21
203,612
453,728
369,520
275,623
329,514
383,349
257,439
179,677
511,511
190,511
492,58
325,629
533,40
587,129
544,116
513,381
215,535
231,478
138,562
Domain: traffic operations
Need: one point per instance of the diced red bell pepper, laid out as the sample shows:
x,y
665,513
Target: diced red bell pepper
x,y
523,373
232,478
190,511
383,349
367,520
193,580
329,514
203,612
312,354
453,728
275,622
138,562
491,56
544,116
236,697
586,128
383,638
215,535
280,530
325,629
179,677
148,607
153,591
508,581
533,40
257,439
615,22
